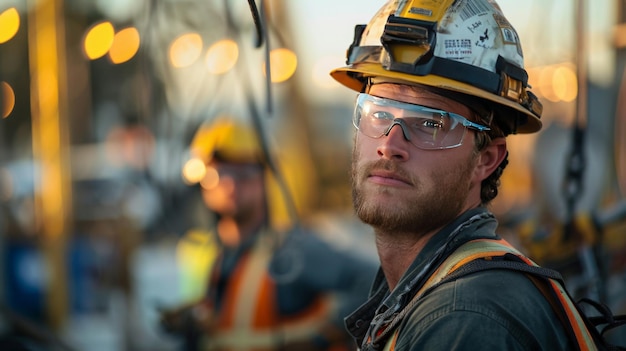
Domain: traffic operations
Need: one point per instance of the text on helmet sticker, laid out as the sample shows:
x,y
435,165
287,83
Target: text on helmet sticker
x,y
476,32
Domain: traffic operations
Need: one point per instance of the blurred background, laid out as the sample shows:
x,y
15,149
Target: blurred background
x,y
99,100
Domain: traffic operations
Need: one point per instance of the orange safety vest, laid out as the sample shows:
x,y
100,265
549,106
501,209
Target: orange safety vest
x,y
490,248
249,318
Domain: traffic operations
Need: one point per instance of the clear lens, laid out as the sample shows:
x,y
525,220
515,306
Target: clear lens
x,y
424,127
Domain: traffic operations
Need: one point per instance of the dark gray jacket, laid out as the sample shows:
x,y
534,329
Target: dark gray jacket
x,y
489,310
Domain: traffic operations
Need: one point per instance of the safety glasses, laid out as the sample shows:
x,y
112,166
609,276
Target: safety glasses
x,y
424,127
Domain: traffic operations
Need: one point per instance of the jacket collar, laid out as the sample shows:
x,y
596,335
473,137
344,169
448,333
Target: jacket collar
x,y
383,304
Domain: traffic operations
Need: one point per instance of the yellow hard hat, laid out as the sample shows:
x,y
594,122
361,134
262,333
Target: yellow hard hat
x,y
462,46
228,140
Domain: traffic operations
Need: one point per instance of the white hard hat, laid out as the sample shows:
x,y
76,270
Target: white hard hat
x,y
462,46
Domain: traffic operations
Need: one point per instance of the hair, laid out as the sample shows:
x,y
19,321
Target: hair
x,y
489,186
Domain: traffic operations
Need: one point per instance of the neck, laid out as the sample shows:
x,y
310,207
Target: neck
x,y
397,253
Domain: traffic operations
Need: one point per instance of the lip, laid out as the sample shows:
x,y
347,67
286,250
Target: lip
x,y
383,177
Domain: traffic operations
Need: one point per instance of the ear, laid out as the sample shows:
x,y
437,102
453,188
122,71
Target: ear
x,y
490,158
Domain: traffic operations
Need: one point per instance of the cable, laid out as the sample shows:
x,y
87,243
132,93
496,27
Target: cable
x,y
576,162
257,23
261,24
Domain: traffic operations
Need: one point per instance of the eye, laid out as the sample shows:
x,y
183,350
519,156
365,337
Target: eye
x,y
427,124
382,115
431,123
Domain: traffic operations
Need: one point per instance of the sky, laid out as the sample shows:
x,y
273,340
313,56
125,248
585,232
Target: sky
x,y
324,30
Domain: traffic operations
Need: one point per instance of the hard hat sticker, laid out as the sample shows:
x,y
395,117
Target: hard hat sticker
x,y
509,35
485,39
473,8
457,49
469,23
476,22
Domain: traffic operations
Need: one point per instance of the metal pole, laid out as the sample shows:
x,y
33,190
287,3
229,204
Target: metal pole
x,y
50,147
581,63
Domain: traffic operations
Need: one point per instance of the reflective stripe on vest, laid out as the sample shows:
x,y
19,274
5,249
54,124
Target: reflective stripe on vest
x,y
483,248
249,319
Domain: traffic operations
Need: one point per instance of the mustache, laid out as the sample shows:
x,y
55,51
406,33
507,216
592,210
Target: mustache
x,y
386,165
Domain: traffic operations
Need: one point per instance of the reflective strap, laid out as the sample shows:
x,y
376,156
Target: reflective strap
x,y
299,328
236,322
391,344
493,248
584,338
250,319
482,248
242,340
253,279
473,250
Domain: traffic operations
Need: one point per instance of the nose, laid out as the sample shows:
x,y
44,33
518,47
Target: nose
x,y
395,142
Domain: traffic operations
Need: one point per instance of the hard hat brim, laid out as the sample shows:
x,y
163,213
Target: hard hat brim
x,y
354,77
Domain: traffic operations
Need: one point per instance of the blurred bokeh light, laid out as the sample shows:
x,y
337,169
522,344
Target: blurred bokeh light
x,y
283,64
98,40
185,50
194,171
222,56
125,45
9,24
7,99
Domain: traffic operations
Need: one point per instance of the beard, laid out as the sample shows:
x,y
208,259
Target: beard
x,y
422,209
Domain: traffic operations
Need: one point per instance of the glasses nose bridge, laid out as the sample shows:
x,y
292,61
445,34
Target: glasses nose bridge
x,y
403,126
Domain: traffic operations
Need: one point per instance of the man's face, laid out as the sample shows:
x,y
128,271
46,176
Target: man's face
x,y
234,190
401,188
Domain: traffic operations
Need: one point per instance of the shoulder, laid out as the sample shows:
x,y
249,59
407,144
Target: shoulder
x,y
503,310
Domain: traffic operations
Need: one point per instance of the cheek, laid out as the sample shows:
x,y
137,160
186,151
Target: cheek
x,y
358,153
445,165
252,191
365,147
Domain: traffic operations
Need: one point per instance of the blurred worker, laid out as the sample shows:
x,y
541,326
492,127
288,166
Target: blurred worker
x,y
440,85
267,290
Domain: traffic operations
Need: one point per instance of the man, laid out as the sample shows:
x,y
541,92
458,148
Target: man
x,y
267,290
441,83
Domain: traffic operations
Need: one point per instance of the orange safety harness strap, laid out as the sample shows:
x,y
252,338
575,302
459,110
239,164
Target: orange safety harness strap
x,y
250,319
482,254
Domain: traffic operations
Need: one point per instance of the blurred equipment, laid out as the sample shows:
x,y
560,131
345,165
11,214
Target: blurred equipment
x,y
19,333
